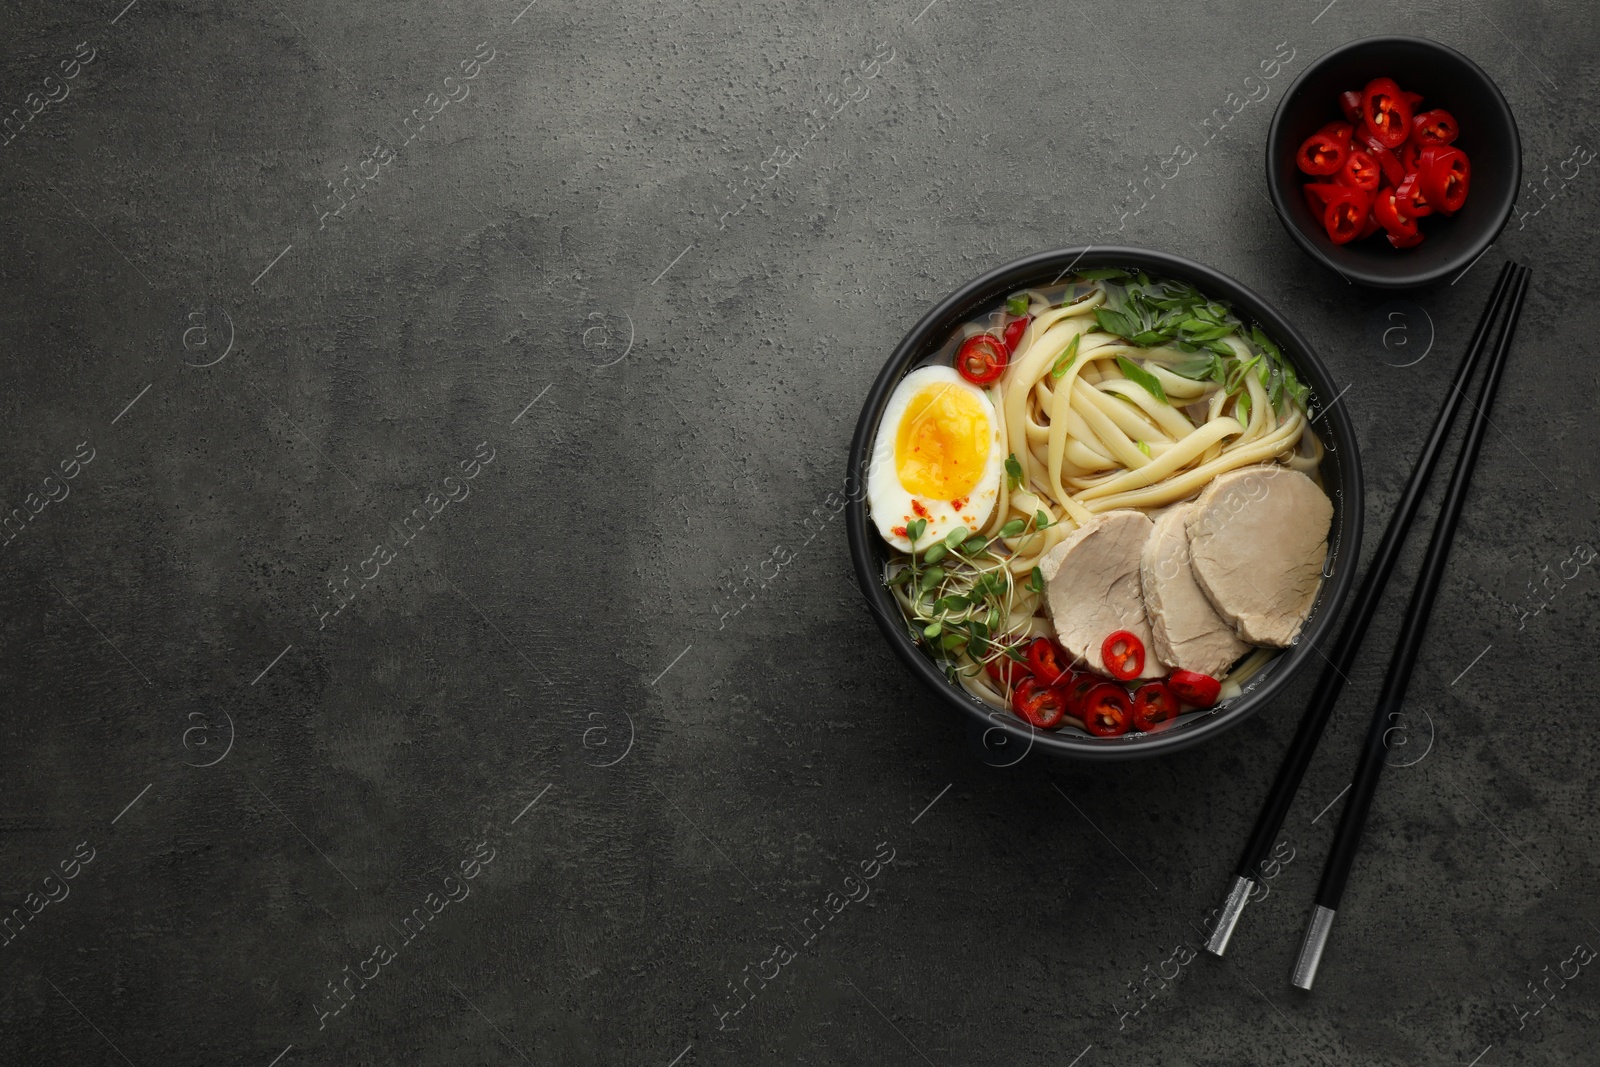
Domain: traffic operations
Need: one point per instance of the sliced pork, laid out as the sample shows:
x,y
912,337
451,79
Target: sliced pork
x,y
1188,632
1094,588
1258,537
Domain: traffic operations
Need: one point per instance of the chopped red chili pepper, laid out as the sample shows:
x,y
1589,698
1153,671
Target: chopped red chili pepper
x,y
1350,104
1123,654
1388,162
1005,670
1446,174
1360,171
1386,113
1048,661
1369,227
982,359
1434,127
1406,242
1342,209
1386,209
1077,688
1013,332
1411,198
1409,154
1154,707
1316,194
1340,131
1041,705
1106,710
1344,219
1322,153
1192,687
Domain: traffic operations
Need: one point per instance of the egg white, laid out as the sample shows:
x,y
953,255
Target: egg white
x,y
888,501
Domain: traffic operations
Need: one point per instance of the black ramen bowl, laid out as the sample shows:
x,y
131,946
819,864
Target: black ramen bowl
x,y
1341,475
1446,79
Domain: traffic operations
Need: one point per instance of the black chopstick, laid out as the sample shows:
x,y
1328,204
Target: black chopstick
x,y
1341,657
1347,839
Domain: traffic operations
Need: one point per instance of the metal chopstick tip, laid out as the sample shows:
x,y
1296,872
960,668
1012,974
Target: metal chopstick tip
x,y
1228,918
1305,968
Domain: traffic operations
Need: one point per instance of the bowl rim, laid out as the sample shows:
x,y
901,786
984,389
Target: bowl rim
x,y
1474,250
989,287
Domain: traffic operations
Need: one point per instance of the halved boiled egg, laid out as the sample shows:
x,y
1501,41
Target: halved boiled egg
x,y
937,457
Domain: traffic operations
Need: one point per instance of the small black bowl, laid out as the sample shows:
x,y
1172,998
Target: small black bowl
x,y
1341,473
1446,79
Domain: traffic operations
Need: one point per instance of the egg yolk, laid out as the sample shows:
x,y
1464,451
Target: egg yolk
x,y
942,444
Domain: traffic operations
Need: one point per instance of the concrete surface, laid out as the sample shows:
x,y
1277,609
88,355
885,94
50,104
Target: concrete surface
x,y
549,683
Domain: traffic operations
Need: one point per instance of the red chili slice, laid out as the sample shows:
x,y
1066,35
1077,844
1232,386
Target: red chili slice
x,y
1340,131
1412,241
1360,171
1343,211
1316,194
1408,156
1410,197
1434,127
1411,98
1388,162
1154,707
1369,227
1013,332
1345,219
1385,113
1446,174
1350,104
1123,654
1041,705
981,359
1048,661
1007,671
1077,689
1322,153
1106,710
1194,688
1387,210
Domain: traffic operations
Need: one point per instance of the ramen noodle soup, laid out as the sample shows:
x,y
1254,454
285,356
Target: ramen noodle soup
x,y
1102,502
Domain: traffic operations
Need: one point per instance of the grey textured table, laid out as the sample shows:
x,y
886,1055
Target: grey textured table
x,y
429,638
